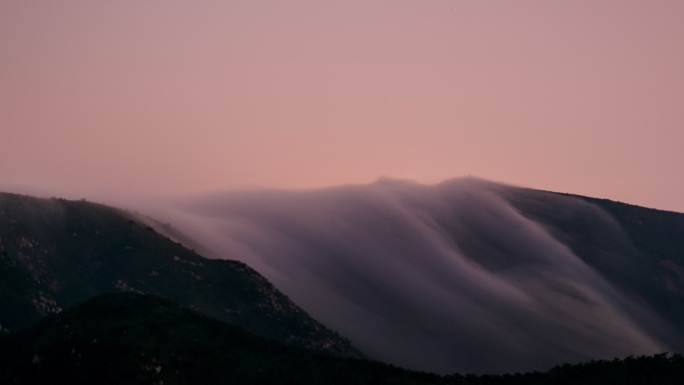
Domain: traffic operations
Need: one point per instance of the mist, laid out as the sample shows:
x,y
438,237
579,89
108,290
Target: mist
x,y
442,278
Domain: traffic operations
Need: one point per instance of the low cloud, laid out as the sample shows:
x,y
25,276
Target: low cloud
x,y
443,278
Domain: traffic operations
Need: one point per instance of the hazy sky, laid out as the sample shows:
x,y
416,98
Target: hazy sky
x,y
144,97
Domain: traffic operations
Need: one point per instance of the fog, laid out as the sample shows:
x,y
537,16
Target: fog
x,y
443,278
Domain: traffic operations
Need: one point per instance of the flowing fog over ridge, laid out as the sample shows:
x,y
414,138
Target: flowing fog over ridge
x,y
442,278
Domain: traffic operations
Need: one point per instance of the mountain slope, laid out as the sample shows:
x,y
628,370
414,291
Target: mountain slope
x,y
55,253
467,275
639,250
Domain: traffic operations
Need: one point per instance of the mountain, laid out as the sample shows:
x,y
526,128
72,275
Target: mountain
x,y
130,338
466,276
463,276
55,253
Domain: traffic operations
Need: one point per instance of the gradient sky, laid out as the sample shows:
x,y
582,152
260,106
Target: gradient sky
x,y
148,97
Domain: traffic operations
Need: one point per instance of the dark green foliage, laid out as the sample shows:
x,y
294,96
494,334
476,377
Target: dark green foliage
x,y
55,253
140,339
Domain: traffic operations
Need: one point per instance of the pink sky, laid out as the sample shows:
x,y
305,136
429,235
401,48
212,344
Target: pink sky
x,y
145,97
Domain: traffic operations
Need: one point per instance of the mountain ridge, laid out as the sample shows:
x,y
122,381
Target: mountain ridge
x,y
459,276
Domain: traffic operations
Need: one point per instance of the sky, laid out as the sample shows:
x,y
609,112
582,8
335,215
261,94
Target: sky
x,y
126,98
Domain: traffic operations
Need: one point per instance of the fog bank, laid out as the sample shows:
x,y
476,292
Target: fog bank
x,y
443,278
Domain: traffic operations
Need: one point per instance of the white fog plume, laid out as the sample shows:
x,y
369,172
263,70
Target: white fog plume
x,y
443,278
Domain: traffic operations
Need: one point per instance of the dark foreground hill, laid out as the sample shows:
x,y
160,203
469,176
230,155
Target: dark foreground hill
x,y
130,338
55,253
